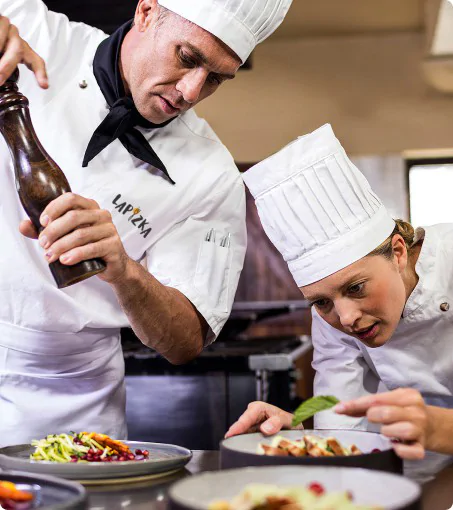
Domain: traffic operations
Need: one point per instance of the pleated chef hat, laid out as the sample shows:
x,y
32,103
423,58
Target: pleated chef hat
x,y
240,24
316,207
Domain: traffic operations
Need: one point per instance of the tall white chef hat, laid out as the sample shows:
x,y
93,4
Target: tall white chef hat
x,y
316,207
240,24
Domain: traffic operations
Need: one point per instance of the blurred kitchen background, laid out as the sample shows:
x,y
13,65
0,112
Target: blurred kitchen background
x,y
381,72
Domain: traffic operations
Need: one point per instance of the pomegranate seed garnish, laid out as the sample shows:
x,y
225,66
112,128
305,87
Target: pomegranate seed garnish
x,y
375,450
145,453
138,451
122,458
317,488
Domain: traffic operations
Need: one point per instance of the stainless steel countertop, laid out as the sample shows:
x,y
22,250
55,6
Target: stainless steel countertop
x,y
437,494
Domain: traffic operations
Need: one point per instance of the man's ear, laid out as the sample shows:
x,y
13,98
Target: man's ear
x,y
145,13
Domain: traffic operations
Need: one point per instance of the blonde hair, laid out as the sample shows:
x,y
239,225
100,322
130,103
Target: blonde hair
x,y
405,230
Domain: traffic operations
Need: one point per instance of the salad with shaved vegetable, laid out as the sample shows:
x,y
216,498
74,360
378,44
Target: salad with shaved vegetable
x,y
84,447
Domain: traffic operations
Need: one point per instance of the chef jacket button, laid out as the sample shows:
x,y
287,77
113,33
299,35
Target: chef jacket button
x,y
445,307
83,84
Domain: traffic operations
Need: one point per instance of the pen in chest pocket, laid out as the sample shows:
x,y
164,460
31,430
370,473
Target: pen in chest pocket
x,y
210,236
213,268
225,241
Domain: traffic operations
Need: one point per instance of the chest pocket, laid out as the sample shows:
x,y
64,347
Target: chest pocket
x,y
213,273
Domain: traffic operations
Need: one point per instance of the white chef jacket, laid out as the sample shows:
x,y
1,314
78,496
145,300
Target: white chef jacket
x,y
72,335
419,355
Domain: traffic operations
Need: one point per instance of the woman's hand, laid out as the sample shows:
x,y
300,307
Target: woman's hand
x,y
261,416
403,415
77,229
16,51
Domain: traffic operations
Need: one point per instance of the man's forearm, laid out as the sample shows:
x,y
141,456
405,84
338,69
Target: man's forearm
x,y
162,317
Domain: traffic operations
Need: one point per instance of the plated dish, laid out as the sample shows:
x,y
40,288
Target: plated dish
x,y
368,489
351,448
62,457
273,497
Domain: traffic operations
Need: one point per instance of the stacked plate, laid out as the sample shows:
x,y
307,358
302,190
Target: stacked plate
x,y
49,493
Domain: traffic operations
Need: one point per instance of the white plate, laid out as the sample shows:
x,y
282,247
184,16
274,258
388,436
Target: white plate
x,y
163,458
392,492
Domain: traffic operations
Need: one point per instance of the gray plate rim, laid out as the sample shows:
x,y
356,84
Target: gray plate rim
x,y
74,471
226,443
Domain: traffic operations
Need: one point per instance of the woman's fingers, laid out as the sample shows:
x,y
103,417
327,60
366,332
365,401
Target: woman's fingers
x,y
268,418
253,416
400,397
391,414
403,431
272,425
414,451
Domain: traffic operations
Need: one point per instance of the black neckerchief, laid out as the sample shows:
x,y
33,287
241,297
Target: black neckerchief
x,y
123,116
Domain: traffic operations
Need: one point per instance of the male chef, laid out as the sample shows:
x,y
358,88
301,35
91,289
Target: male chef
x,y
155,194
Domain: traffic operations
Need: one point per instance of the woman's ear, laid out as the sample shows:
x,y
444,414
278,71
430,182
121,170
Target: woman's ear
x,y
399,252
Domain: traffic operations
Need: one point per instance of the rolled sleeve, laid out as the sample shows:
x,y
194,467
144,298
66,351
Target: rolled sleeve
x,y
204,271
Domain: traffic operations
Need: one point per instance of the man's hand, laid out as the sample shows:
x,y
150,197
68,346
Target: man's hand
x,y
403,416
76,229
261,416
16,51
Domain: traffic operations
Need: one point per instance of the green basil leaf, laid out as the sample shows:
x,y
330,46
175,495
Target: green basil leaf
x,y
312,406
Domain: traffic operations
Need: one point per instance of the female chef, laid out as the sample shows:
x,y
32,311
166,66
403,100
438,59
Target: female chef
x,y
380,294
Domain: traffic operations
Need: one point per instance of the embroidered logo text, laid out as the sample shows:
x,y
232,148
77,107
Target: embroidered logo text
x,y
135,218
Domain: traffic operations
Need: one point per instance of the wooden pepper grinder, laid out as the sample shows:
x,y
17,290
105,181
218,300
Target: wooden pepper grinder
x,y
39,180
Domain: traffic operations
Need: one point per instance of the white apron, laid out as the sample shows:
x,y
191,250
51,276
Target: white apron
x,y
56,382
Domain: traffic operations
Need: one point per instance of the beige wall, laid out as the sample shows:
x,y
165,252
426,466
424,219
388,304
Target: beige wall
x,y
370,88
